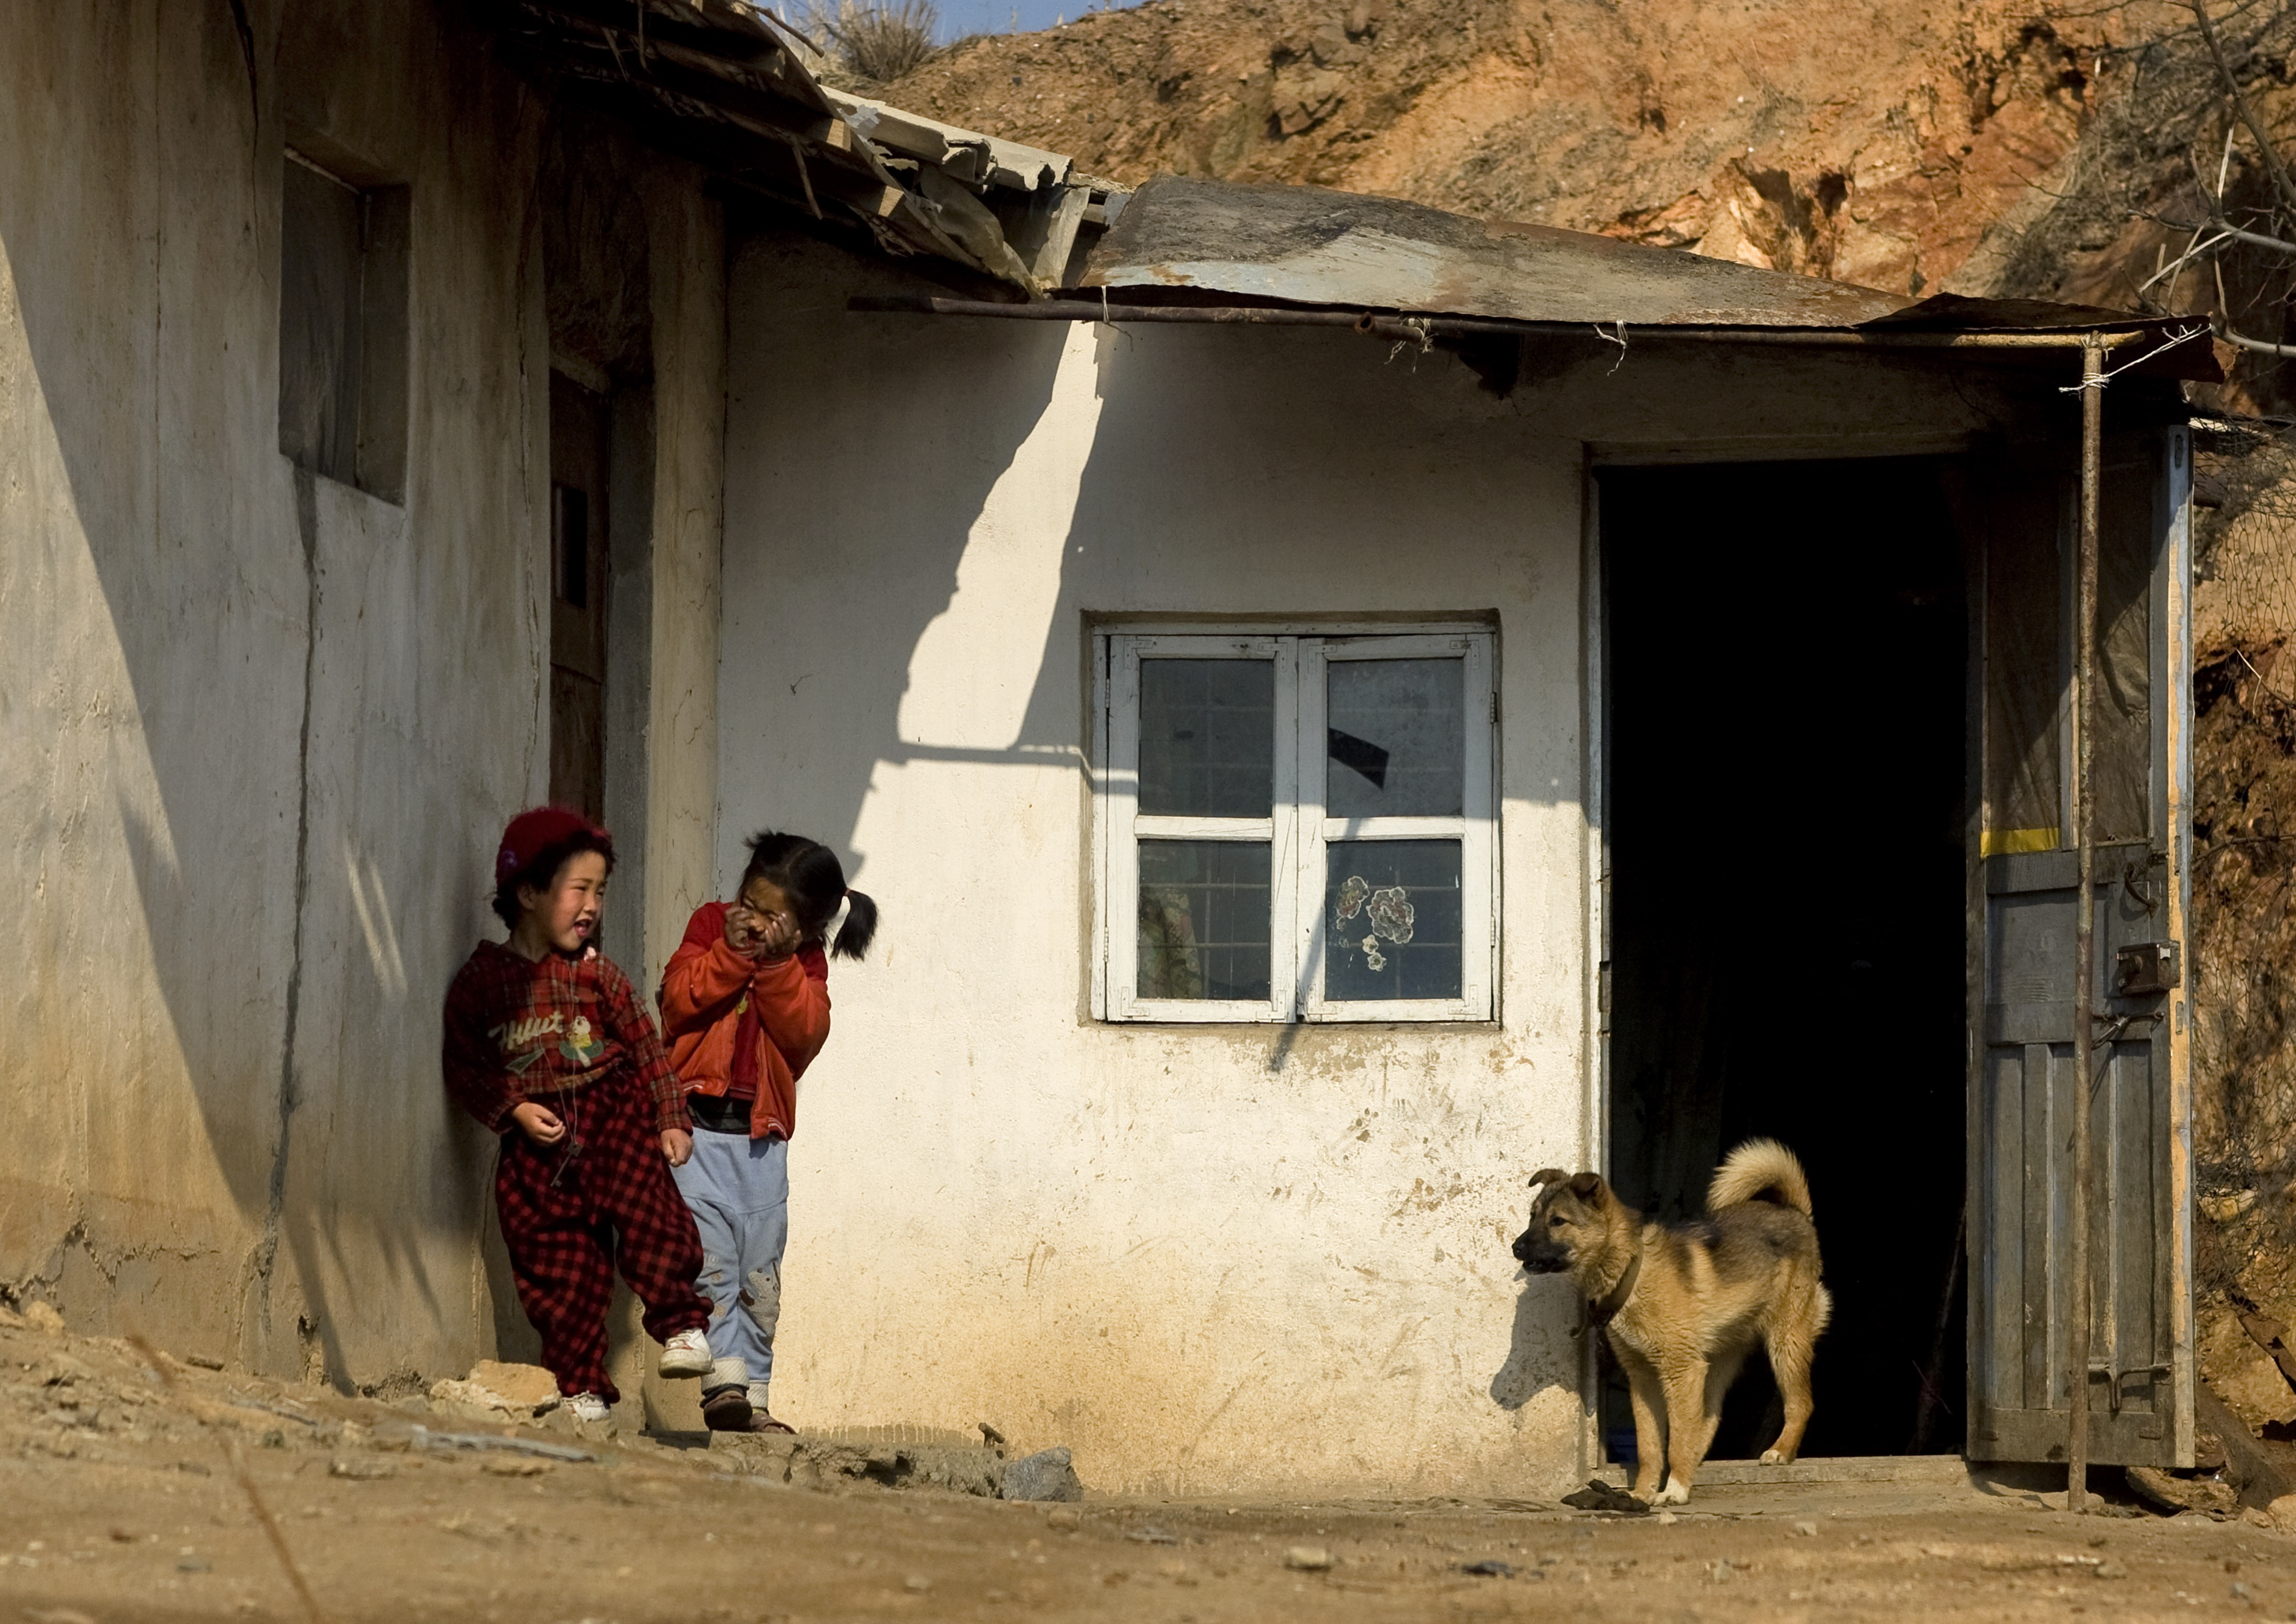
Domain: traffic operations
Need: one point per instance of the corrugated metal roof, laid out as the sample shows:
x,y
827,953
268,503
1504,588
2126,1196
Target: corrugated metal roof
x,y
1305,245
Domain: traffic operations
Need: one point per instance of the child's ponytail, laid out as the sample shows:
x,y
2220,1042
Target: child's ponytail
x,y
860,926
810,876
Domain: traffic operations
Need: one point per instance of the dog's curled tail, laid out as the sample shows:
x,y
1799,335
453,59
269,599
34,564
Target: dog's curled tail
x,y
1758,1168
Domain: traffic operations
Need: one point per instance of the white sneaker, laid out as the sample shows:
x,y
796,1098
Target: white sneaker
x,y
687,1354
587,1407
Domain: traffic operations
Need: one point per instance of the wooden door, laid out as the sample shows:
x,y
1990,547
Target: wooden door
x,y
577,597
2029,1073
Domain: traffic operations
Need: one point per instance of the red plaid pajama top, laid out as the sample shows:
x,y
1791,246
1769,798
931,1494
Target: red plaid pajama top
x,y
518,1030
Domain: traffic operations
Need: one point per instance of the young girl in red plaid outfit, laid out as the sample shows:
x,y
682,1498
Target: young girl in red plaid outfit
x,y
543,1036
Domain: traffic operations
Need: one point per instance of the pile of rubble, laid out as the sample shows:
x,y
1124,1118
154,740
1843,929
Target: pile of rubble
x,y
95,1399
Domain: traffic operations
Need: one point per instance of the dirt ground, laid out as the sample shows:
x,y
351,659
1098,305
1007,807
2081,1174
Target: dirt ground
x,y
121,1483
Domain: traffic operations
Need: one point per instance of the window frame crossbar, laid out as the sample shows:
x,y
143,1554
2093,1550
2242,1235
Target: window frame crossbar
x,y
1298,831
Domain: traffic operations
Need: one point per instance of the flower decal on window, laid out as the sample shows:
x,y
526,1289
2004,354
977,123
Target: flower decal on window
x,y
1386,909
1391,916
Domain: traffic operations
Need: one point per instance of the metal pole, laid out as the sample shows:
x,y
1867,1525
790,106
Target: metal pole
x,y
1385,325
2077,1337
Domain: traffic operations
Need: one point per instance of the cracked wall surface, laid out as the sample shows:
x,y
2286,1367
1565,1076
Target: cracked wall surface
x,y
261,728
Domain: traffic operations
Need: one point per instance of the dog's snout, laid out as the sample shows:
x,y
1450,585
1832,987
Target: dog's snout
x,y
1538,1255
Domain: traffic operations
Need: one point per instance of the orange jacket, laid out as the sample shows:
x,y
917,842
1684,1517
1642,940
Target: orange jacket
x,y
705,992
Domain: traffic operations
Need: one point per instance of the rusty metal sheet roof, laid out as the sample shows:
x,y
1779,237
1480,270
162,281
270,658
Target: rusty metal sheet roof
x,y
1182,237
728,85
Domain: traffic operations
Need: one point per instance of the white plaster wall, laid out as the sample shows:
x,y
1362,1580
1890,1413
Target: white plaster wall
x,y
1226,1259
1221,1258
258,730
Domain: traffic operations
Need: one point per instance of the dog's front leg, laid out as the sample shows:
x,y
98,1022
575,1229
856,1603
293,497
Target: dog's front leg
x,y
1685,1386
1648,1398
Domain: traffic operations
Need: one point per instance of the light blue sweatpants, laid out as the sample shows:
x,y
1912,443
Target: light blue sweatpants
x,y
738,1188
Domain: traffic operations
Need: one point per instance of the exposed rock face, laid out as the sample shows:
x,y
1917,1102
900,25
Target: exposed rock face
x,y
1872,142
2244,1029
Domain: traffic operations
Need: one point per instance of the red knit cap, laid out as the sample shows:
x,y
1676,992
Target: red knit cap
x,y
534,831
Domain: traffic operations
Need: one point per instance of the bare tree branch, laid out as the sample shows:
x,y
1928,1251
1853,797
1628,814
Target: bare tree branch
x,y
2238,235
2281,182
2258,345
2227,231
2176,267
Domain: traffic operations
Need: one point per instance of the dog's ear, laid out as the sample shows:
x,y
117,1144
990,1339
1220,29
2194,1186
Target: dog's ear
x,y
1547,1175
1588,1187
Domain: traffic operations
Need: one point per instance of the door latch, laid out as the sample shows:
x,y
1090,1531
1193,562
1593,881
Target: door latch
x,y
2141,969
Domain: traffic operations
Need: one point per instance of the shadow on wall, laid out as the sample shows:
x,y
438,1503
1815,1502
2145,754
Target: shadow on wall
x,y
209,620
1532,1364
1106,465
975,395
205,545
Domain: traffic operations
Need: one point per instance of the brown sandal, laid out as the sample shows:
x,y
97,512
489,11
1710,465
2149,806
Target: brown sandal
x,y
726,1409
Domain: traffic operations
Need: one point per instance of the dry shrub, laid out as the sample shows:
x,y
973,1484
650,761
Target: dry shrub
x,y
881,40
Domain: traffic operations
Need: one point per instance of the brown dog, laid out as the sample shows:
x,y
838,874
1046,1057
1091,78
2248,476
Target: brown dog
x,y
1684,1304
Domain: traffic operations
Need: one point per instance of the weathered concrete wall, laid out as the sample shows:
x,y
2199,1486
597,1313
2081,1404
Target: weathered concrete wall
x,y
124,1037
260,729
1211,1258
687,232
674,616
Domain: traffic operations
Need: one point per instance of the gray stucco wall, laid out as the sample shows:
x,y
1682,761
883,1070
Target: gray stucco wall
x,y
260,729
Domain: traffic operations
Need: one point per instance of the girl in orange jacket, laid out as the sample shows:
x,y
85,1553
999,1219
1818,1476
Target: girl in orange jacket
x,y
745,1008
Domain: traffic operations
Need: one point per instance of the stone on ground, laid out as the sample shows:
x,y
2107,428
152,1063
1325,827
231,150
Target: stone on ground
x,y
496,1387
1046,1475
529,1385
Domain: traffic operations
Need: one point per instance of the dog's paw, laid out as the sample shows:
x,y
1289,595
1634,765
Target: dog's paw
x,y
1675,1493
1775,1457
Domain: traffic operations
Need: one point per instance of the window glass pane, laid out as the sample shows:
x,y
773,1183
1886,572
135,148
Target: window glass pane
x,y
1392,919
1399,738
1203,919
2124,656
1207,739
2024,668
318,321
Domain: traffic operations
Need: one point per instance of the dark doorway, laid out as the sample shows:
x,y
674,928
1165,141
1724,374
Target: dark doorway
x,y
1785,729
577,597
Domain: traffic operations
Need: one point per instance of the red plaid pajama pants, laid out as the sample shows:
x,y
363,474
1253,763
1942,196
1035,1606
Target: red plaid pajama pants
x,y
571,1213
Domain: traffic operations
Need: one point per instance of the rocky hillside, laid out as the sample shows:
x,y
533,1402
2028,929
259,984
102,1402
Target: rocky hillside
x,y
1877,142
1971,146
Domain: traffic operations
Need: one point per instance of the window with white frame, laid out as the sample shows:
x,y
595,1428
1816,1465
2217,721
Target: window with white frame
x,y
1296,827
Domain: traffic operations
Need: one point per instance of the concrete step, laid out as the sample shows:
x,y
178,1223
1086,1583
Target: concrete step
x,y
1932,1470
1910,1470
